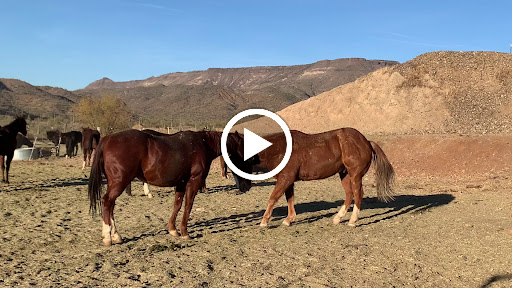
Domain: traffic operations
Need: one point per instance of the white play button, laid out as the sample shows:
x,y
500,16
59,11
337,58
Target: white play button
x,y
253,144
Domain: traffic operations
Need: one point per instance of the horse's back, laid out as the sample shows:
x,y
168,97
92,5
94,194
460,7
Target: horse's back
x,y
317,156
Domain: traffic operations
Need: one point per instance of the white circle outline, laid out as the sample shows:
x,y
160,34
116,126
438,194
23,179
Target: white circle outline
x,y
278,120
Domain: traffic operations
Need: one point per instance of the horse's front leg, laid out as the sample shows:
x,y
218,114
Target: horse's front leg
x,y
291,207
146,190
3,167
281,186
7,166
193,186
178,200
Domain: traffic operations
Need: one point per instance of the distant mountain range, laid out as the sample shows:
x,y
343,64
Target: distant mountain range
x,y
210,96
217,94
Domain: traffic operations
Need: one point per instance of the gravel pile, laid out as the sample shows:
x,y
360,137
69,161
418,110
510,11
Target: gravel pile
x,y
477,87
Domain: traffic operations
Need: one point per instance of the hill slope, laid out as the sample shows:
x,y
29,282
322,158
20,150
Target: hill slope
x,y
18,97
438,92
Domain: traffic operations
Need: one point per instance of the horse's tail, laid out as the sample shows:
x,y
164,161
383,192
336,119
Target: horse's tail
x,y
97,170
384,172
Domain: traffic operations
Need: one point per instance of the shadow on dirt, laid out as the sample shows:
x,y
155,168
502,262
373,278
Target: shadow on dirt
x,y
49,183
505,278
233,189
403,204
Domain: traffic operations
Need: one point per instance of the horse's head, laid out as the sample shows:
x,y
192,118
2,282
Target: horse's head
x,y
21,124
235,146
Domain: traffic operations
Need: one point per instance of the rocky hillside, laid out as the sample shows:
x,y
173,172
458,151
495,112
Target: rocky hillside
x,y
217,94
438,92
20,98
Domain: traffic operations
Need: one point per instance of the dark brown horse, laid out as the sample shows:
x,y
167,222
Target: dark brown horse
x,y
8,143
54,137
317,156
23,140
90,139
181,160
71,139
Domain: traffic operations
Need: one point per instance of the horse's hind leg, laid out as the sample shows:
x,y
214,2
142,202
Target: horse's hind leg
x,y
109,231
85,158
128,189
178,200
349,194
357,188
291,208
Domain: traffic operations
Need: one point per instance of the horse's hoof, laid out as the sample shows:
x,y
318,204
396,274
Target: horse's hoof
x,y
336,220
352,224
263,224
107,242
186,237
287,223
174,233
117,239
150,196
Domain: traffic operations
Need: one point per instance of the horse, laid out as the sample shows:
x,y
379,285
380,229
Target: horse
x,y
343,151
72,139
22,140
8,143
181,160
54,137
90,139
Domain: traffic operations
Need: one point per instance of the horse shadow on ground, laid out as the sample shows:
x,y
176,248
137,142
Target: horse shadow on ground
x,y
233,189
403,204
504,278
48,183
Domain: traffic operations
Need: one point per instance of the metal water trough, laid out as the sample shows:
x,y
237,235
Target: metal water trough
x,y
26,154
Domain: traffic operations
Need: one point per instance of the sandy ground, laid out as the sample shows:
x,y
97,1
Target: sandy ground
x,y
437,233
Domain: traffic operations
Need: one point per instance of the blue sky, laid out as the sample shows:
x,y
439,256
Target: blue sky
x,y
69,44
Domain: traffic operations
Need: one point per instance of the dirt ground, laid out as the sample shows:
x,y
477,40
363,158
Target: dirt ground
x,y
439,232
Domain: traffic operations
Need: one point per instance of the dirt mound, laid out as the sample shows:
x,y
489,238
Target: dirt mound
x,y
439,92
449,156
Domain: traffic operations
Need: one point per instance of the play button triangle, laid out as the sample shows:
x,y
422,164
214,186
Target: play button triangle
x,y
253,144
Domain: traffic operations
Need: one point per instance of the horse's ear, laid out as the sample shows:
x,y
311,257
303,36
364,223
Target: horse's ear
x,y
236,133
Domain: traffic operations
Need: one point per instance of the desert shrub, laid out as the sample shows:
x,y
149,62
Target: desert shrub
x,y
109,113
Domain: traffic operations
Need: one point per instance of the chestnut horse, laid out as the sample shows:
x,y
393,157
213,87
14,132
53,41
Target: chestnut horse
x,y
8,143
146,186
181,160
317,156
90,138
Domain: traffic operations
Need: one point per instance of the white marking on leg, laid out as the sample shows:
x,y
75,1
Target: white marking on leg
x,y
341,213
83,166
354,217
116,238
105,232
146,191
